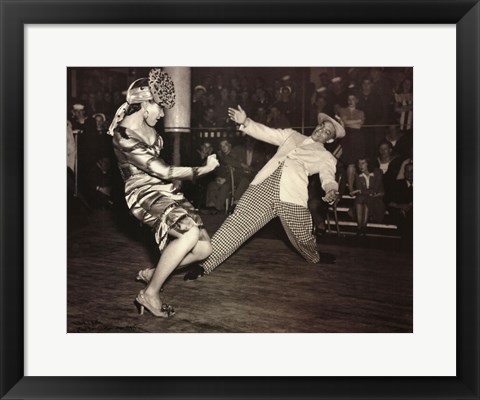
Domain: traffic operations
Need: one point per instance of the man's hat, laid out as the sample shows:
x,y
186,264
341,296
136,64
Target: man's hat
x,y
101,115
339,130
78,107
200,87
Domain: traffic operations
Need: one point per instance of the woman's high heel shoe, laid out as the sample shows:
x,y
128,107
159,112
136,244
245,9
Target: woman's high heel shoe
x,y
166,311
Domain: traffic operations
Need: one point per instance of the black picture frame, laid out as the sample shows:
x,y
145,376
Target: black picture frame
x,y
15,14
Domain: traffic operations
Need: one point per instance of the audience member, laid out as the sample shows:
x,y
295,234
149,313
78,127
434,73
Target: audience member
x,y
286,103
389,164
317,207
89,153
196,190
261,115
353,145
71,148
400,205
368,205
221,107
276,119
324,79
199,103
338,93
244,100
404,104
260,98
71,160
371,104
322,104
383,87
208,119
103,171
219,190
401,142
251,156
353,79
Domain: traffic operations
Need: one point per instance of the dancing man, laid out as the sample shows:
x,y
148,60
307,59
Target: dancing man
x,y
280,189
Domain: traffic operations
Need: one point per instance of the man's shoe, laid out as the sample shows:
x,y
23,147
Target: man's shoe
x,y
194,273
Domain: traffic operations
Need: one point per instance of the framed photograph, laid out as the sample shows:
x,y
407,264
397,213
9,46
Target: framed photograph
x,y
394,316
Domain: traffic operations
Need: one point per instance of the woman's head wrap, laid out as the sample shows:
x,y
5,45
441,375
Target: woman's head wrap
x,y
159,87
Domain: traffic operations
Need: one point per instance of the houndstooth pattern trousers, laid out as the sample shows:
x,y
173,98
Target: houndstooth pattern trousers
x,y
259,205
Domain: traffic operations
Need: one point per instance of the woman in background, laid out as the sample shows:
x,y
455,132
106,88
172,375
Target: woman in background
x,y
353,145
368,189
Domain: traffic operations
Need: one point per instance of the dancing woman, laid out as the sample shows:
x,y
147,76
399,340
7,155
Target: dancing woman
x,y
149,191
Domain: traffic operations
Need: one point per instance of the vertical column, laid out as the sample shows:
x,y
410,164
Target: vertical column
x,y
177,119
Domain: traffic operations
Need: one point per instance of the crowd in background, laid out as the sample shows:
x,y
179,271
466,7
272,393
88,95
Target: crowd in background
x,y
374,159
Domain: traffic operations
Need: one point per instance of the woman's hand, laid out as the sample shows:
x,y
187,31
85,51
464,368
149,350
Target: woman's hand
x,y
212,162
238,116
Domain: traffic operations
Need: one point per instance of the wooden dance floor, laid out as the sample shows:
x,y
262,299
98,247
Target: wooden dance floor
x,y
264,287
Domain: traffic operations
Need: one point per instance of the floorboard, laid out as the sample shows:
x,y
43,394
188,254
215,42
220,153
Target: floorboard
x,y
264,287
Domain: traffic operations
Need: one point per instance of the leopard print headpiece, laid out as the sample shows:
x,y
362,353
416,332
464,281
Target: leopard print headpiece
x,y
162,88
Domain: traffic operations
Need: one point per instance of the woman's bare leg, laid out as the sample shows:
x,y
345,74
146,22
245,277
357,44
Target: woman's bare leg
x,y
170,259
365,217
202,250
359,214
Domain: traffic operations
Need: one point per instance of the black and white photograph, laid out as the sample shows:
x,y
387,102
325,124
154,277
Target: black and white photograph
x,y
240,199
239,189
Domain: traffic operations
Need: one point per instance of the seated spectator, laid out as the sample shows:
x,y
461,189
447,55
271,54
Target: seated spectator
x,y
400,205
408,160
401,142
368,190
389,164
196,190
219,190
251,157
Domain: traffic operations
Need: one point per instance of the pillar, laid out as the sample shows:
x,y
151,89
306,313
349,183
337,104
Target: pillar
x,y
177,119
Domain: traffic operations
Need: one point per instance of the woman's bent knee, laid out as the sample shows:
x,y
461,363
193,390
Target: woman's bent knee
x,y
194,232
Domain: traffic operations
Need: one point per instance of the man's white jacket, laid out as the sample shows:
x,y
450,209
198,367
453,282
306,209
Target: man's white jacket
x,y
302,156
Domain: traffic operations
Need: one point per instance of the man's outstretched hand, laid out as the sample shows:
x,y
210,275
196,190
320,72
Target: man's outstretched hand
x,y
237,115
